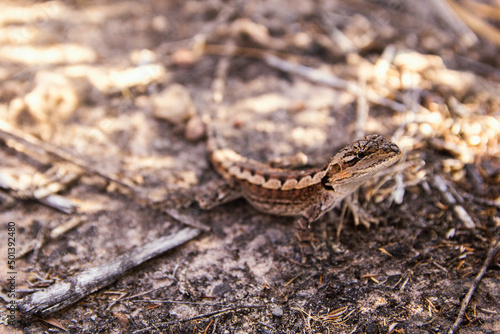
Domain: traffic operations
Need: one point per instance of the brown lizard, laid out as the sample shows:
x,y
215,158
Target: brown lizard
x,y
308,193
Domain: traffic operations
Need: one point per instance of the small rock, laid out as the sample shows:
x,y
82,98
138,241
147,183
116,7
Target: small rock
x,y
184,58
160,24
174,104
53,95
143,57
277,311
195,129
53,100
221,289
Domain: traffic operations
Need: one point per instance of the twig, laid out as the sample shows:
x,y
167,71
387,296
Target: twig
x,y
219,83
478,200
312,74
207,32
274,60
206,315
19,190
494,248
442,7
59,203
64,294
185,219
477,24
440,184
362,111
29,142
266,325
166,301
330,80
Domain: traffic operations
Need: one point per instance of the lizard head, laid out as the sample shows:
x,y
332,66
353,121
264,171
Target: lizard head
x,y
358,162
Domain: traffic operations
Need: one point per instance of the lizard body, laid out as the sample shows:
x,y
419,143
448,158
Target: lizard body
x,y
308,193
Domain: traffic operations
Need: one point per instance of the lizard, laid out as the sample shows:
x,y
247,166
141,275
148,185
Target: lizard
x,y
307,193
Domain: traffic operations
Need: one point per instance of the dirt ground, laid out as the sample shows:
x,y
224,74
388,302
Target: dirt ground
x,y
124,87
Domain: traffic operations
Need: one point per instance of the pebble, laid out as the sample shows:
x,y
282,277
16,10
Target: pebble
x,y
195,129
277,311
174,104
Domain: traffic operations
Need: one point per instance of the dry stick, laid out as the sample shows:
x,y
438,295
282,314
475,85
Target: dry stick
x,y
494,248
206,315
31,143
484,10
219,83
440,184
9,133
362,111
60,230
321,77
274,60
442,7
52,200
64,294
185,219
476,23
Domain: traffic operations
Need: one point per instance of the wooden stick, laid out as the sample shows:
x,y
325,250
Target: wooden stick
x,y
495,247
52,200
8,133
64,294
444,9
206,315
330,80
476,23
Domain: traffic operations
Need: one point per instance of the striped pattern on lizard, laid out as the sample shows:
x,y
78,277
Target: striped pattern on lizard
x,y
307,193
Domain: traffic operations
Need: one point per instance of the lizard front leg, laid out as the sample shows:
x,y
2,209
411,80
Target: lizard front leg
x,y
304,234
359,214
328,200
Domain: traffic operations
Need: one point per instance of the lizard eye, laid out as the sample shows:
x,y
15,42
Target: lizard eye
x,y
335,168
361,155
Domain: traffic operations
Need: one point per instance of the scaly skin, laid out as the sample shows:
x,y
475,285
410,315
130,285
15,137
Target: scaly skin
x,y
308,193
